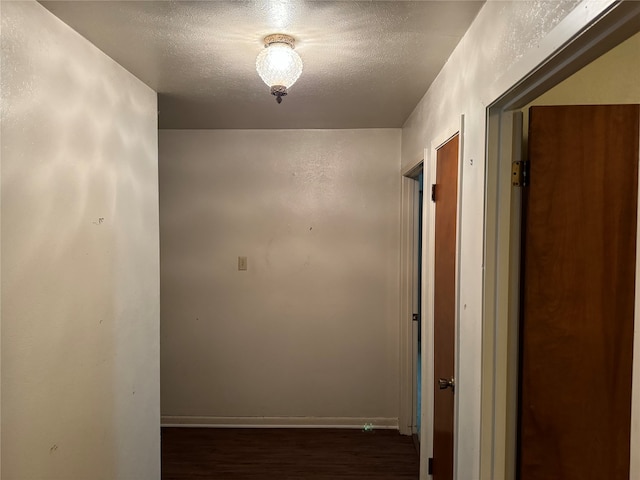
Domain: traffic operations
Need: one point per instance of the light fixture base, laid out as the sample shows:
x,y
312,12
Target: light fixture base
x,y
279,38
279,91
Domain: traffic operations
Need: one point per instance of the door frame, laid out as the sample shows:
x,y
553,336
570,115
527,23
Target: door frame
x,y
608,24
429,249
408,301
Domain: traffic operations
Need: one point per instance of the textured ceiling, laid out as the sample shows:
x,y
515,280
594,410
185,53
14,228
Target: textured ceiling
x,y
366,63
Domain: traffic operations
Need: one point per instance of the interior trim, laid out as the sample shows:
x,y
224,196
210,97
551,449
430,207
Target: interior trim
x,y
377,423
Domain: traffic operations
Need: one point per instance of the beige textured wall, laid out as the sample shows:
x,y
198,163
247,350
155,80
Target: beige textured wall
x,y
612,78
80,258
310,330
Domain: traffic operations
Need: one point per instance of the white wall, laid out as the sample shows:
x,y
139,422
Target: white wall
x,y
309,333
504,43
80,258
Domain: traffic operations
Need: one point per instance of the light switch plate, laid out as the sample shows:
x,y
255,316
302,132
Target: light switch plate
x,y
242,263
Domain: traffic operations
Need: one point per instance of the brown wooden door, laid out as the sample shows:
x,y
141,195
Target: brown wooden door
x,y
578,293
446,199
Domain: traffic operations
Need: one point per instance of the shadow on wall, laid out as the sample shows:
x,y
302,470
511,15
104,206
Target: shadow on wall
x,y
80,257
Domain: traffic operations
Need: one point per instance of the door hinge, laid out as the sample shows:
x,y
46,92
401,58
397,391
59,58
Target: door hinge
x,y
430,466
433,192
415,317
520,174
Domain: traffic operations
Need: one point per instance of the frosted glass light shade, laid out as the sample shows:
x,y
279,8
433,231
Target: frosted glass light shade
x,y
279,64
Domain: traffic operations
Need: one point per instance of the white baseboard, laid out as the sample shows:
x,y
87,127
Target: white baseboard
x,y
280,422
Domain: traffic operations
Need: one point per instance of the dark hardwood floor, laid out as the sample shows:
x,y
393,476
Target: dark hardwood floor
x,y
286,454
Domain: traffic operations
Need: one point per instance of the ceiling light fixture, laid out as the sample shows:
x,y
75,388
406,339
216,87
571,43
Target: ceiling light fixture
x,y
278,65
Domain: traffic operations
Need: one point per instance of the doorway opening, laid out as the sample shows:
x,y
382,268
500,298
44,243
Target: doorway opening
x,y
502,240
417,312
411,315
411,329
